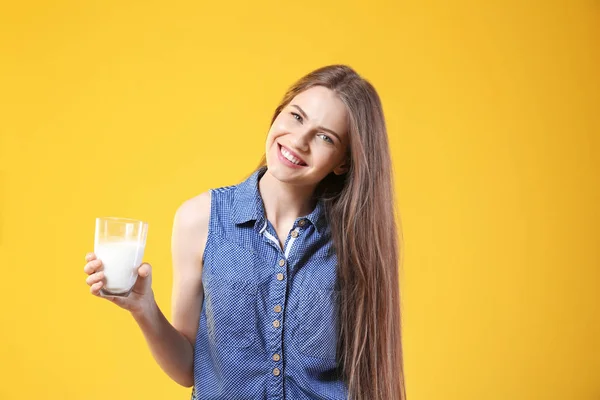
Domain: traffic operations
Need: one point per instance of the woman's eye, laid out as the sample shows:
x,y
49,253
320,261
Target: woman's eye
x,y
326,138
297,116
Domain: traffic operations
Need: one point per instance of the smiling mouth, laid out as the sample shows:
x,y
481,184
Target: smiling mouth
x,y
291,157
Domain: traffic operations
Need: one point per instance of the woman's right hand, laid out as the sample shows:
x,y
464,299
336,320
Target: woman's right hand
x,y
141,298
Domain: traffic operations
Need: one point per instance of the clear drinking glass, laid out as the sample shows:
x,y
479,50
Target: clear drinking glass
x,y
119,243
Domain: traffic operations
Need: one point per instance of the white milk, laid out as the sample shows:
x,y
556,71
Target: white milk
x,y
121,261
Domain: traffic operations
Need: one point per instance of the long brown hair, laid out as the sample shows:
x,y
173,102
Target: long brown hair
x,y
360,210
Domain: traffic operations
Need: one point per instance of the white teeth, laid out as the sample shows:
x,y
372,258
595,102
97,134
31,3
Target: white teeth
x,y
290,157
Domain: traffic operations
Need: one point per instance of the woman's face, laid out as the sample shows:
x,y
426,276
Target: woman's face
x,y
309,138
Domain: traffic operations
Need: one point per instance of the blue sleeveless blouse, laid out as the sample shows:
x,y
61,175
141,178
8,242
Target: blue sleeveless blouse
x,y
269,322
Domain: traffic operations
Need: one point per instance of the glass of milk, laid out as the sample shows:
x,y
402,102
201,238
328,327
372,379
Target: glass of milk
x,y
119,243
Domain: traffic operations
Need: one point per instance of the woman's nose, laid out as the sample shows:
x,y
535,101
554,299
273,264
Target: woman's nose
x,y
300,139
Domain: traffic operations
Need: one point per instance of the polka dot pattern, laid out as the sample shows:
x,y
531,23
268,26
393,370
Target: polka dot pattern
x,y
267,330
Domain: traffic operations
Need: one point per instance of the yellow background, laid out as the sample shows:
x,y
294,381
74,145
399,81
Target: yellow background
x,y
129,108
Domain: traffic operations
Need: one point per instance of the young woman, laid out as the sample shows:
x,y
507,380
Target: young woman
x,y
286,285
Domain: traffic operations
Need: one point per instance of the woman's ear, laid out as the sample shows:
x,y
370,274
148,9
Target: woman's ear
x,y
342,168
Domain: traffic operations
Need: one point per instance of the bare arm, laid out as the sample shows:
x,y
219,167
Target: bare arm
x,y
173,345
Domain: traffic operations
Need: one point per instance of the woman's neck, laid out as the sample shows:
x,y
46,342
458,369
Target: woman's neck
x,y
284,202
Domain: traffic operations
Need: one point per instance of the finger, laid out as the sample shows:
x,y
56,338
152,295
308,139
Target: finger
x,y
90,257
95,278
95,288
92,266
145,270
143,283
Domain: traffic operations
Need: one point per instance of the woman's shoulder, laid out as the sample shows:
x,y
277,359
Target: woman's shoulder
x,y
194,213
